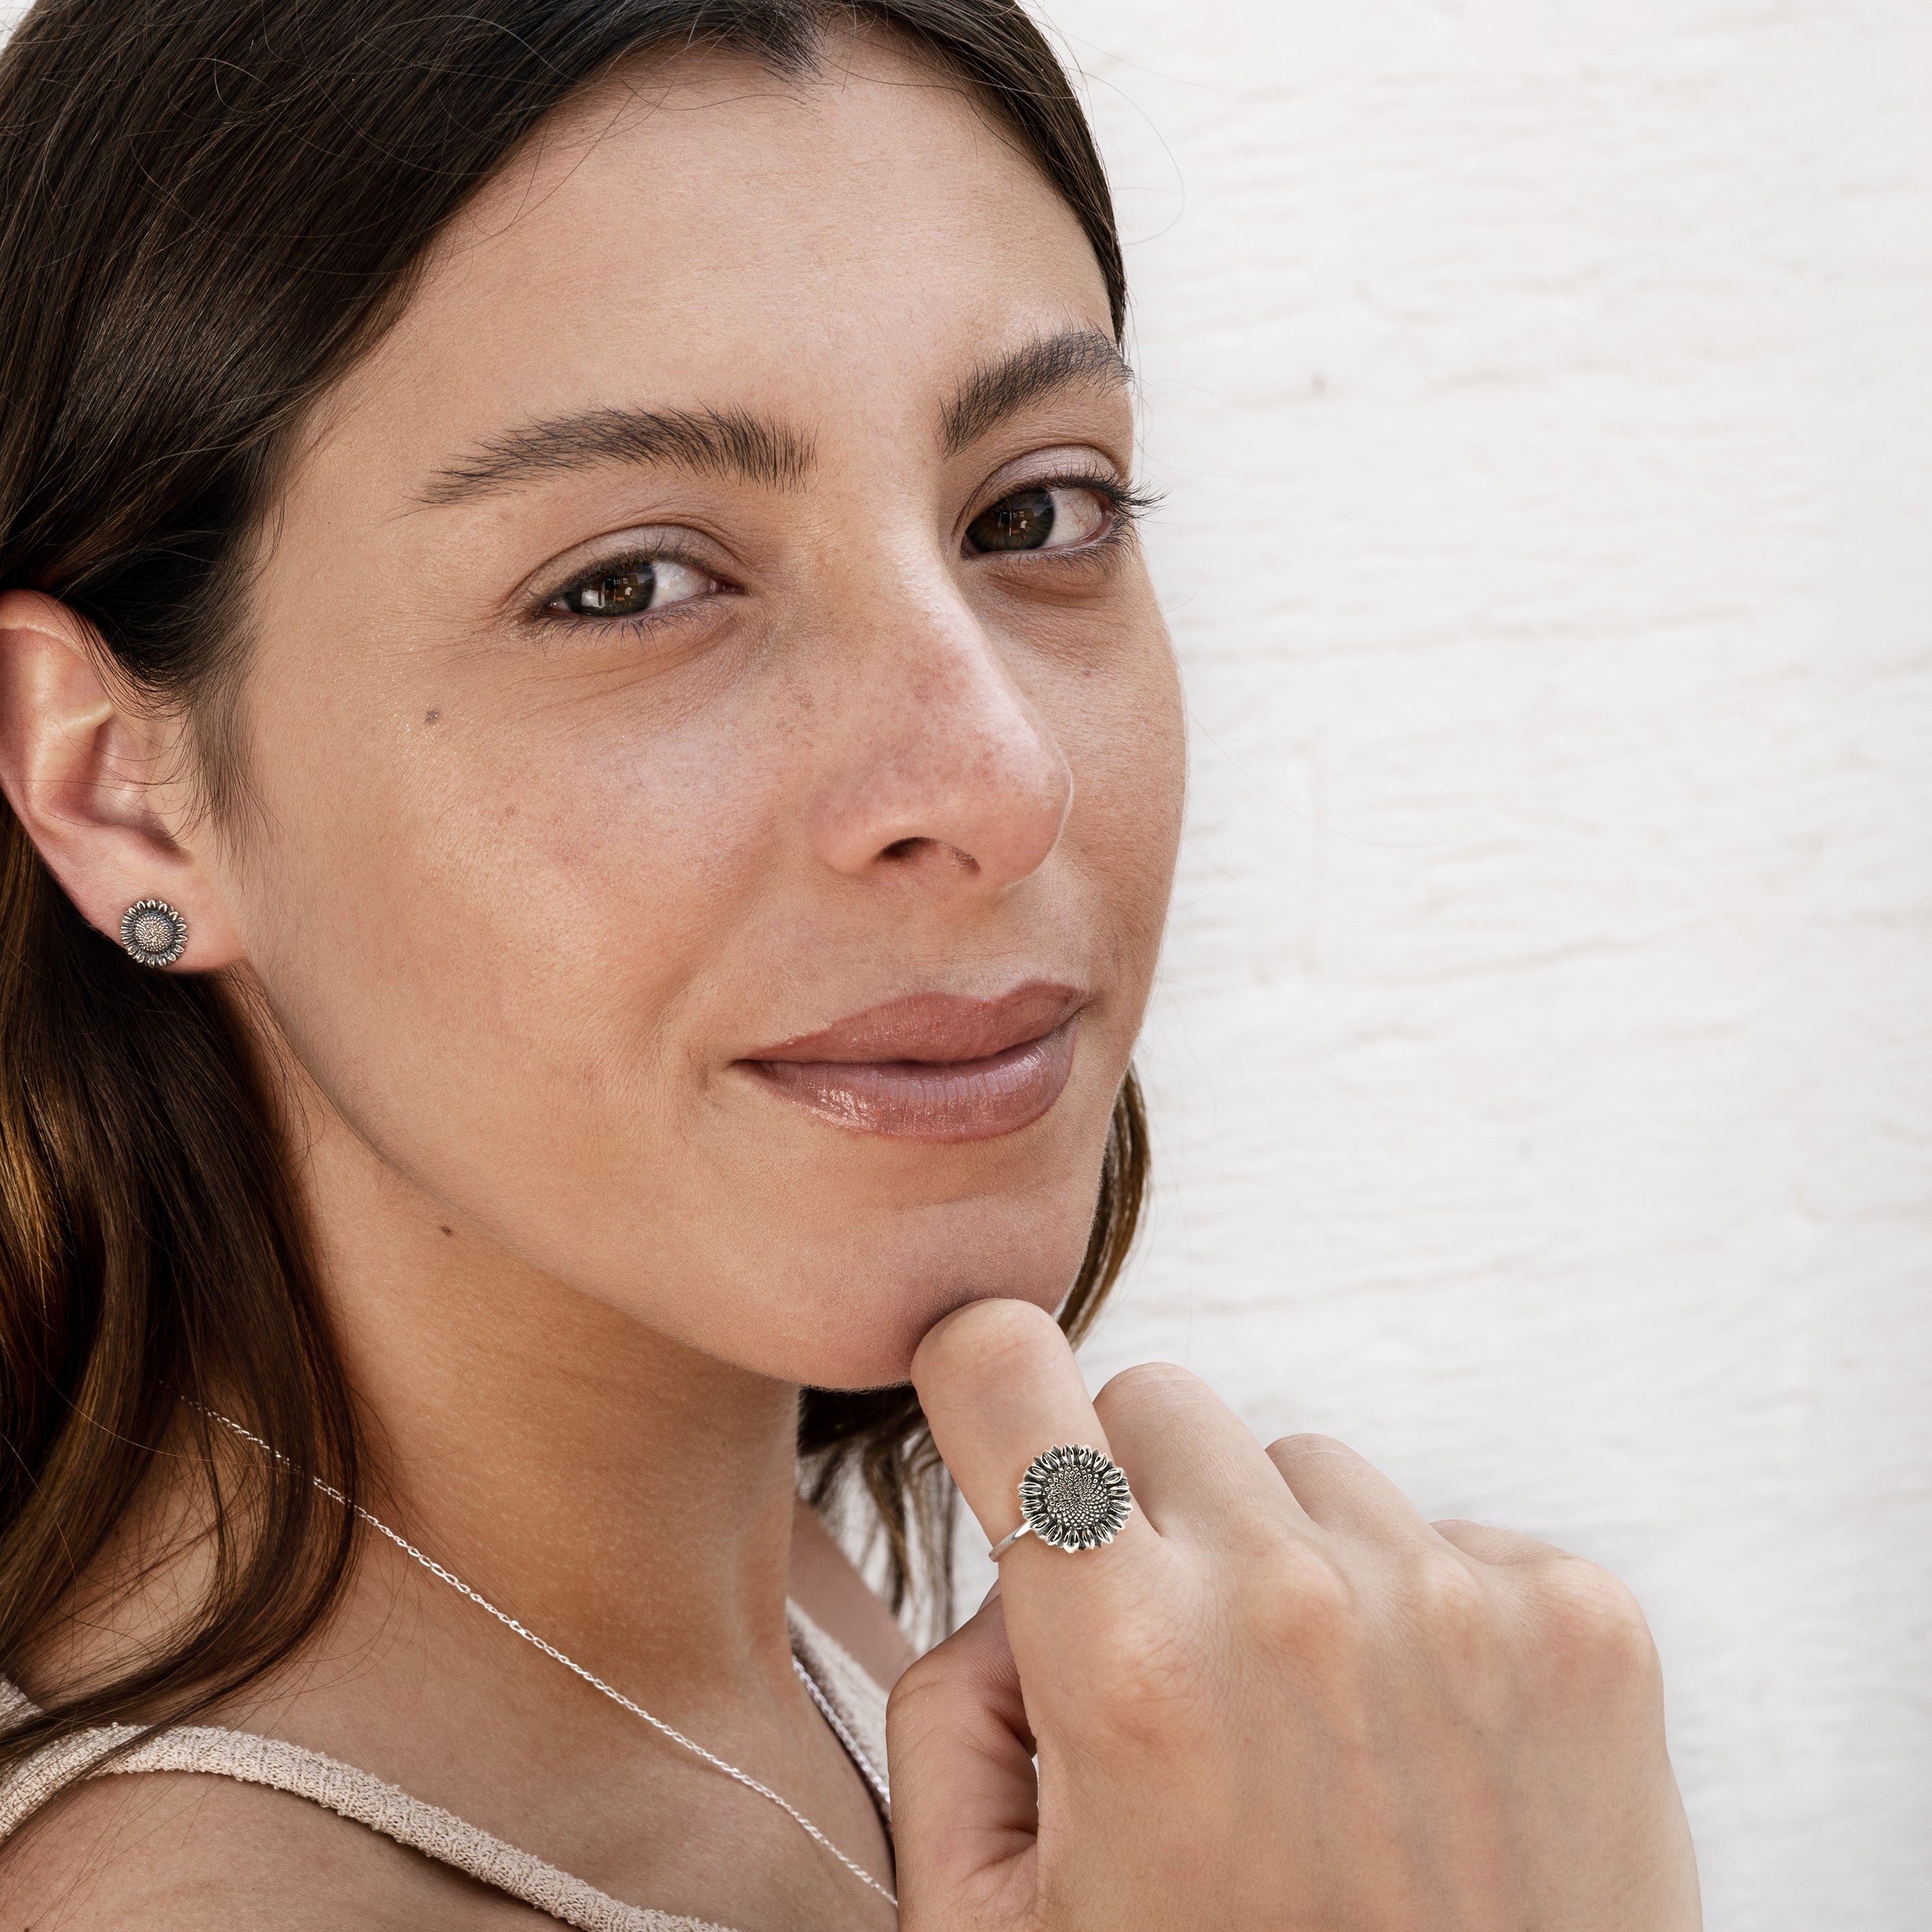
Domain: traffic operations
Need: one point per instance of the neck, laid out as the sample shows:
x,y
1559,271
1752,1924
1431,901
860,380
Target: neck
x,y
622,1495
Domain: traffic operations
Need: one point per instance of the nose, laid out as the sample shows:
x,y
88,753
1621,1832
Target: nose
x,y
945,768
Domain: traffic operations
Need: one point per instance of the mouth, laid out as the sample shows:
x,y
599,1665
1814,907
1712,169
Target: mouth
x,y
933,1067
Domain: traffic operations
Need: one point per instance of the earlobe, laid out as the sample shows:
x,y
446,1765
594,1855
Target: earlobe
x,y
91,777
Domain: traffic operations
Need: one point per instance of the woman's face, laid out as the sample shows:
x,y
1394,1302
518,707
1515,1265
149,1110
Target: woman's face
x,y
718,755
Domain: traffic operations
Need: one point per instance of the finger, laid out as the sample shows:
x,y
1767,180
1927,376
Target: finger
x,y
1342,1492
1198,1467
1488,1544
965,1797
999,1385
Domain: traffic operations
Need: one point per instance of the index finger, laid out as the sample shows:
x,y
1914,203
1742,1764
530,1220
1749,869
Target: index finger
x,y
999,1385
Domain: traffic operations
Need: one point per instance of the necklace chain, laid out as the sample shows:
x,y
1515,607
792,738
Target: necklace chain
x,y
677,1737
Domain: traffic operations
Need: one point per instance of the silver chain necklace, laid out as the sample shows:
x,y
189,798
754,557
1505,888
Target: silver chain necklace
x,y
881,1792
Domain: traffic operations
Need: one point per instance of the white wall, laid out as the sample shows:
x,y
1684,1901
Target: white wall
x,y
1542,1072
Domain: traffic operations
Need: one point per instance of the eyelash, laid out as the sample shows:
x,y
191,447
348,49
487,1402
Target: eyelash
x,y
608,566
1127,505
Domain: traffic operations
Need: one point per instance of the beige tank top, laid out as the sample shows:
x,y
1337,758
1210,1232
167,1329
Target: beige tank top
x,y
364,1800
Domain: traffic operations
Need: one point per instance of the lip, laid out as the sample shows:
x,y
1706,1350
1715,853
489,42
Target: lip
x,y
935,1066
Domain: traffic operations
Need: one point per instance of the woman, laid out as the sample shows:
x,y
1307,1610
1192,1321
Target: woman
x,y
595,773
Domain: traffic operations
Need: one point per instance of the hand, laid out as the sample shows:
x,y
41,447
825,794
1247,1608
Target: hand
x,y
1279,1699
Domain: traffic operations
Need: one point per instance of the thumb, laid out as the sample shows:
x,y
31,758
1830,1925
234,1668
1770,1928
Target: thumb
x,y
965,1800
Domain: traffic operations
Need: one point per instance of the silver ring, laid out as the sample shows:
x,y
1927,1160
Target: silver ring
x,y
1072,1497
1007,1542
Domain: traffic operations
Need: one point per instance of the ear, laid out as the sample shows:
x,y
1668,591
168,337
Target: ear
x,y
95,781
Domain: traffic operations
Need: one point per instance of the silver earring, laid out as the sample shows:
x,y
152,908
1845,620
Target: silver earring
x,y
153,932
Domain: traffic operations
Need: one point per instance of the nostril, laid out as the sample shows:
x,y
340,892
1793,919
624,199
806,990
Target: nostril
x,y
909,851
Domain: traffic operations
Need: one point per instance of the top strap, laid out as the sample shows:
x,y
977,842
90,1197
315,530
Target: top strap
x,y
355,1795
365,1799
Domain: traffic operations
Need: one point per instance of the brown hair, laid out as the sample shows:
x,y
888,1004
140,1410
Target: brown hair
x,y
208,208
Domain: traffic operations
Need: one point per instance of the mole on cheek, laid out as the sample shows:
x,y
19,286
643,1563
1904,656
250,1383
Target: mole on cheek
x,y
430,717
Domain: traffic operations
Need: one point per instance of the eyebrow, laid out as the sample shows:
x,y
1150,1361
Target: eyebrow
x,y
717,442
733,443
1082,357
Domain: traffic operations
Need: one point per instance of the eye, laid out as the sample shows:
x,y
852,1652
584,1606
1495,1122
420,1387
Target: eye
x,y
1055,516
631,586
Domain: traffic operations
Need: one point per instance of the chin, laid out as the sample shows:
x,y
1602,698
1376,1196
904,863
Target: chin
x,y
866,1316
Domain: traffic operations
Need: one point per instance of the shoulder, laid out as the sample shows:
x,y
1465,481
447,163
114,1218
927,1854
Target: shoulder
x,y
176,1851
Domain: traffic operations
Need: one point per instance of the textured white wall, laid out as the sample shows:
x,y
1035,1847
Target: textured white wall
x,y
1542,1072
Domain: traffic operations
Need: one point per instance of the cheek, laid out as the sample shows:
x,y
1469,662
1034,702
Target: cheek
x,y
494,909
1126,738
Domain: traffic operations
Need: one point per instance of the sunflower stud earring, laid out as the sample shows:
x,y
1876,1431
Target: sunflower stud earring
x,y
153,932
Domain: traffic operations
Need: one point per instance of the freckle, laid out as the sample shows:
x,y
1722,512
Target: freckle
x,y
509,811
449,1231
430,717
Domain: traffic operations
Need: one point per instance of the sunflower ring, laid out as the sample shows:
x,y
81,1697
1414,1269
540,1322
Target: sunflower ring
x,y
1072,1497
